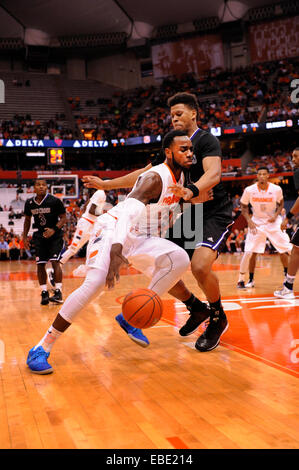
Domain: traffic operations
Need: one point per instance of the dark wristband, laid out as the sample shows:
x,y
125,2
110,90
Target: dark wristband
x,y
56,229
289,215
194,189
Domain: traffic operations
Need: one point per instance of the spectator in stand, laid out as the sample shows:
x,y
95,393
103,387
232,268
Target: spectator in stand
x,y
240,237
14,249
4,249
231,242
227,98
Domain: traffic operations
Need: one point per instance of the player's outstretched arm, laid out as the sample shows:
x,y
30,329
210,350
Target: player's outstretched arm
x,y
211,177
126,181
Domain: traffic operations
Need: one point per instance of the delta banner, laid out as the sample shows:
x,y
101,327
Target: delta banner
x,y
193,55
274,40
78,144
38,144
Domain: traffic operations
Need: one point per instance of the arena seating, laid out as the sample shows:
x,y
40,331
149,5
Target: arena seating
x,y
40,98
255,93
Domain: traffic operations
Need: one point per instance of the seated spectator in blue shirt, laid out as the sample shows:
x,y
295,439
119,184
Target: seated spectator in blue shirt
x,y
4,250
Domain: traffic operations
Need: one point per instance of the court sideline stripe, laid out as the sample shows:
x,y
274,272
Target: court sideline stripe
x,y
260,359
177,443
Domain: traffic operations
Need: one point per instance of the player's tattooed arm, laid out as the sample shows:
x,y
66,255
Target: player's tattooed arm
x,y
126,181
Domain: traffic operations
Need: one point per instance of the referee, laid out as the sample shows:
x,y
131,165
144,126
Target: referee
x,y
49,217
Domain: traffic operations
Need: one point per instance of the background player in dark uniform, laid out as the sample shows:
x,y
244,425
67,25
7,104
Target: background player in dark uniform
x,y
287,290
49,217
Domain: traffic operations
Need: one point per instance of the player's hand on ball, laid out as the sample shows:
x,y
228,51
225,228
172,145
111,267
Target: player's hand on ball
x,y
91,181
116,261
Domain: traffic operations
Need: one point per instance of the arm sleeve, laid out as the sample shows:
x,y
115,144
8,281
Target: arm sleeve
x,y
98,197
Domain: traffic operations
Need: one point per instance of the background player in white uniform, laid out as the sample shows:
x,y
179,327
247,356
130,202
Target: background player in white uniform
x,y
266,200
93,208
129,231
85,224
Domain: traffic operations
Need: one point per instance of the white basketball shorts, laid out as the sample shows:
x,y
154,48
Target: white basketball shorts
x,y
256,243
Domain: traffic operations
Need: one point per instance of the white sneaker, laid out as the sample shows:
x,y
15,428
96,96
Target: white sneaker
x,y
284,293
250,284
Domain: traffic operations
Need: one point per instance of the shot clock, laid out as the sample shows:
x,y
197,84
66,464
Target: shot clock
x,y
55,156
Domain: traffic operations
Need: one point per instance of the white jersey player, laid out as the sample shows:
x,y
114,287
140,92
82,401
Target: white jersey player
x,y
125,233
85,224
266,201
84,228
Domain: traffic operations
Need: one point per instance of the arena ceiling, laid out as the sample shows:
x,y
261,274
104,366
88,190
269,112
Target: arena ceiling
x,y
70,17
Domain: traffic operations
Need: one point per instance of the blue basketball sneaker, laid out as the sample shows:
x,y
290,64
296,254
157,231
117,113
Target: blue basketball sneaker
x,y
37,361
135,334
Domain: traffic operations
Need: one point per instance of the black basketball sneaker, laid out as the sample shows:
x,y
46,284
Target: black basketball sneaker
x,y
210,338
198,314
45,297
57,297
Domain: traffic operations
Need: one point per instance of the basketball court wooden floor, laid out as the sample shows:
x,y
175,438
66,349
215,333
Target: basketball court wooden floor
x,y
106,392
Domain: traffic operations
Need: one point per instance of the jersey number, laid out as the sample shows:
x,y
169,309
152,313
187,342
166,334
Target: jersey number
x,y
42,219
263,207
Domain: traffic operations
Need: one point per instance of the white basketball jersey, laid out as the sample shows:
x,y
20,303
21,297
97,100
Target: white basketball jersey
x,y
263,202
98,199
156,217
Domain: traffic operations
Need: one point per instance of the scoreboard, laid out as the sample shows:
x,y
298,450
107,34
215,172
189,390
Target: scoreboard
x,y
55,156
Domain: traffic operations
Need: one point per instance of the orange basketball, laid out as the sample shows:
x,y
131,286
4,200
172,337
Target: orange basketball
x,y
142,308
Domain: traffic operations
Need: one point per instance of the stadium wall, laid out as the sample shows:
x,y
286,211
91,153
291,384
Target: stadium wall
x,y
120,70
76,69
